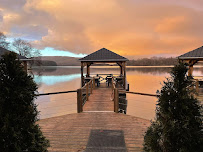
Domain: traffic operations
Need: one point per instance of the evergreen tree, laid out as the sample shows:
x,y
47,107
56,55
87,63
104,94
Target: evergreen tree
x,y
178,123
18,113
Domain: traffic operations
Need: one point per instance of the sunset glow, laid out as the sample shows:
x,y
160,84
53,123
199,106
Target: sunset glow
x,y
133,28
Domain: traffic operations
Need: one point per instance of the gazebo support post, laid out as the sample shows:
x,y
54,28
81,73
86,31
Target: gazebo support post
x,y
190,63
121,67
82,78
88,69
124,68
190,70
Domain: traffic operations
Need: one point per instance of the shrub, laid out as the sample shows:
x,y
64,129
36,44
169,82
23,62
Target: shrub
x,y
178,123
18,113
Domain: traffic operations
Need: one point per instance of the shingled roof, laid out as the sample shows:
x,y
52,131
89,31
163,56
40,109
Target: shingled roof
x,y
3,51
103,55
195,54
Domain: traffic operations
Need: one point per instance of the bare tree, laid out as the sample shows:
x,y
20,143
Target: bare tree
x,y
3,42
24,48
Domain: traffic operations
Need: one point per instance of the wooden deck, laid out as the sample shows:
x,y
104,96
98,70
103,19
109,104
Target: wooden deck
x,y
100,99
70,133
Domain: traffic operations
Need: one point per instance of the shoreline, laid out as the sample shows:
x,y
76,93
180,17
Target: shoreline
x,y
69,66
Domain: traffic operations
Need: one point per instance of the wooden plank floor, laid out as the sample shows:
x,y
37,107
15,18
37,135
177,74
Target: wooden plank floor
x,y
100,99
70,133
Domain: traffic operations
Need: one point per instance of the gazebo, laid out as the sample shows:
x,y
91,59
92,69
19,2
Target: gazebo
x,y
21,58
192,58
103,56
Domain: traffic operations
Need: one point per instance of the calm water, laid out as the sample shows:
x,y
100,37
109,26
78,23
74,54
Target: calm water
x,y
141,79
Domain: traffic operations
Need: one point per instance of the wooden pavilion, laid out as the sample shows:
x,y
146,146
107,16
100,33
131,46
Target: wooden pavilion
x,y
23,59
192,58
103,56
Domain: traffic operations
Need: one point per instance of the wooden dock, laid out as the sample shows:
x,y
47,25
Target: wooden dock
x,y
98,127
71,133
100,100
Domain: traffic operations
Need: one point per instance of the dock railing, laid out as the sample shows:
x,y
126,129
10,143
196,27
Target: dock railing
x,y
116,92
115,95
138,93
83,94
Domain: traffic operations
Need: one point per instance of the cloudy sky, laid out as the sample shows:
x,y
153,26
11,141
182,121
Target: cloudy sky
x,y
133,28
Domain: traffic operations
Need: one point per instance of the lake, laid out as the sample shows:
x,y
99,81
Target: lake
x,y
64,78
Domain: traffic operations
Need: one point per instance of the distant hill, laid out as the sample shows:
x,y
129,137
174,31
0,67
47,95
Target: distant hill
x,y
154,61
59,61
71,61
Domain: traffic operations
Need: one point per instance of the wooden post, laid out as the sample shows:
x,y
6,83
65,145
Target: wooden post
x,y
88,69
121,69
87,86
112,84
91,86
82,79
197,86
191,63
124,81
190,70
93,83
116,100
79,101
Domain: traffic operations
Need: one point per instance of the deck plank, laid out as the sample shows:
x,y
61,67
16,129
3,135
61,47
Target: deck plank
x,y
71,132
100,99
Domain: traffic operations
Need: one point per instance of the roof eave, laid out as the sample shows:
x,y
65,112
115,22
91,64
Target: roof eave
x,y
113,60
182,58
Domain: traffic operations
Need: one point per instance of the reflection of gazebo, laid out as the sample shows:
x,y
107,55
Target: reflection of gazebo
x,y
21,58
192,58
103,56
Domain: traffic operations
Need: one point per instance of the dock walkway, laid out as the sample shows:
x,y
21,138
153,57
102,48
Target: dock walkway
x,y
72,132
100,100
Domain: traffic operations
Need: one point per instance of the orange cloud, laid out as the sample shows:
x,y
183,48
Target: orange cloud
x,y
172,24
126,27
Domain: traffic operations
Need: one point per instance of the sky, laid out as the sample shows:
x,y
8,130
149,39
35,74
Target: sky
x,y
132,28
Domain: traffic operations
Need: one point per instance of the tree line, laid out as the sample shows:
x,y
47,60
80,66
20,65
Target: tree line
x,y
154,61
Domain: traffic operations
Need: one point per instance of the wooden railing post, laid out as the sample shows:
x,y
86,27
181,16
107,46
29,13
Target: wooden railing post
x,y
87,86
116,99
79,101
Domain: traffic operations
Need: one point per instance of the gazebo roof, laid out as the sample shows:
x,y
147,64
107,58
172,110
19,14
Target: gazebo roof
x,y
3,51
103,55
195,54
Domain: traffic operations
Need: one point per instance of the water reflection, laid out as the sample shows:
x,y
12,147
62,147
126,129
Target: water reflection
x,y
141,79
52,80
